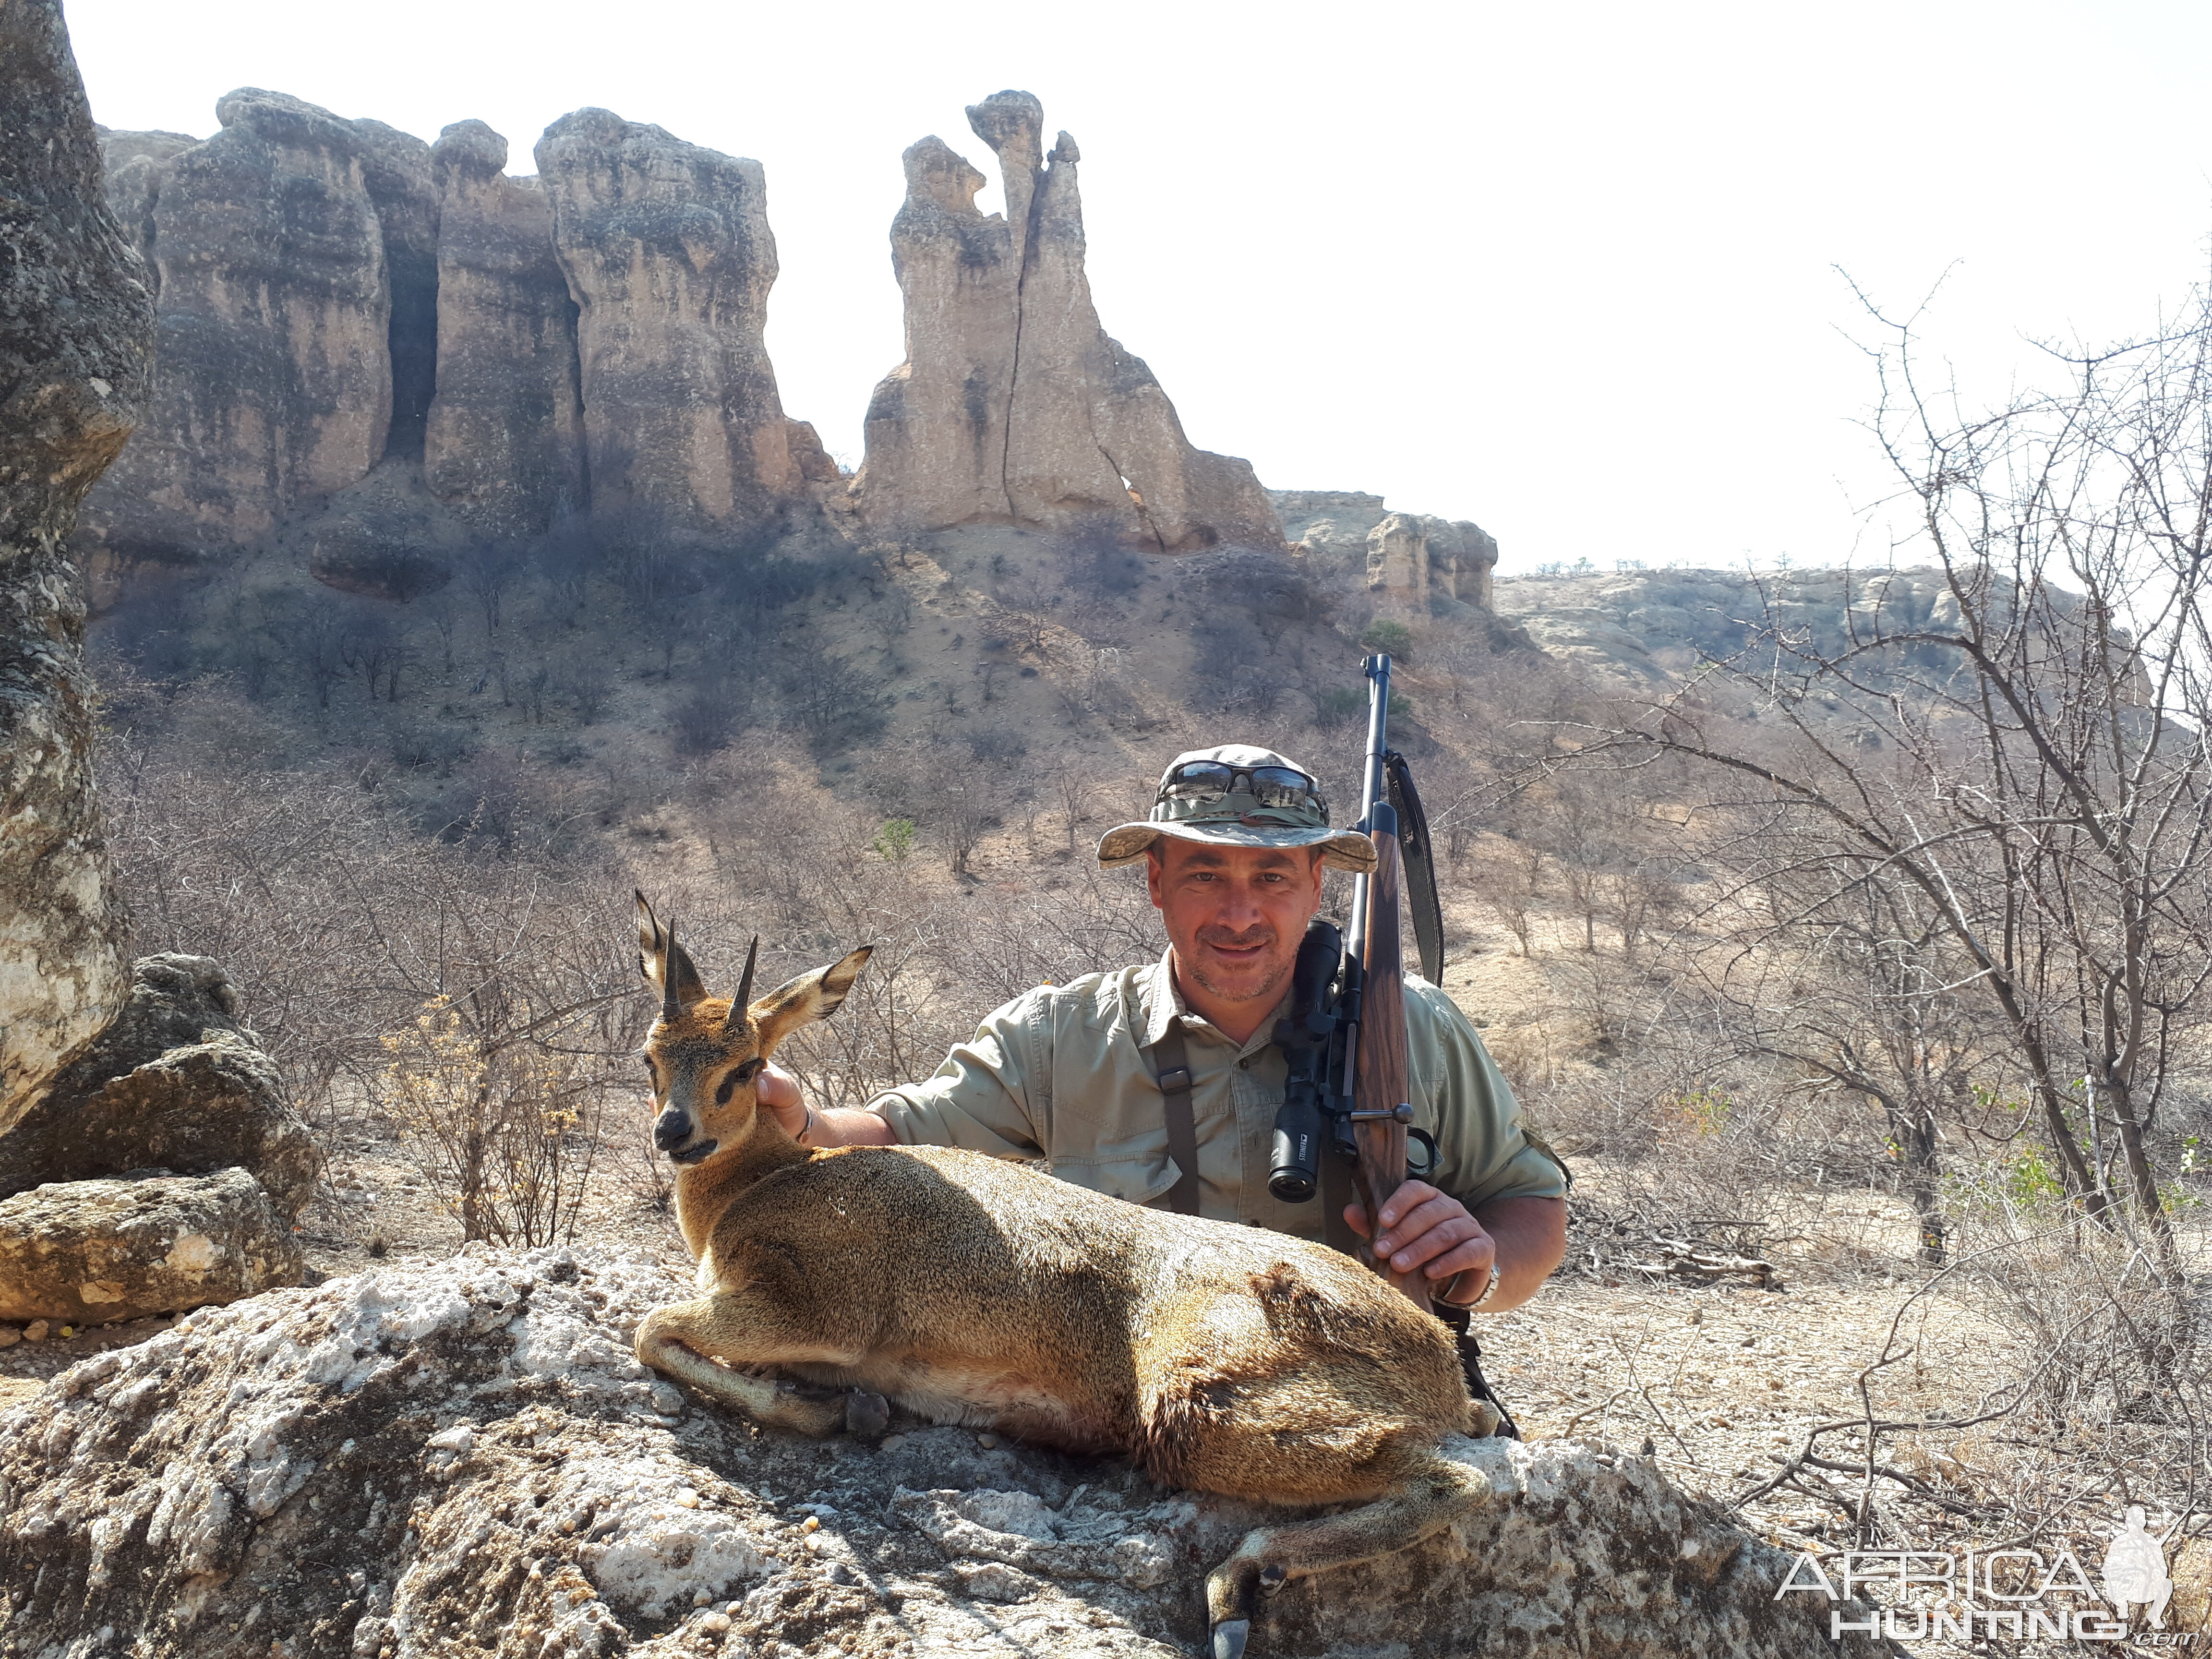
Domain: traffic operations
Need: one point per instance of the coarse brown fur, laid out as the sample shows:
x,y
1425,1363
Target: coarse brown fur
x,y
972,1290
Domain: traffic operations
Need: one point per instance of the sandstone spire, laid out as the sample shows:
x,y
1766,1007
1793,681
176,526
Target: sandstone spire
x,y
1013,405
275,384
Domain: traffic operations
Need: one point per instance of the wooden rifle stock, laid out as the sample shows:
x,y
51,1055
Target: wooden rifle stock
x,y
1382,1069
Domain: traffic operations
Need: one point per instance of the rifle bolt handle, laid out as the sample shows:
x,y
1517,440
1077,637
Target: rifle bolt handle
x,y
1402,1113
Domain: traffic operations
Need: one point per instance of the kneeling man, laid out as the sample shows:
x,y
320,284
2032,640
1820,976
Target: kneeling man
x,y
1234,851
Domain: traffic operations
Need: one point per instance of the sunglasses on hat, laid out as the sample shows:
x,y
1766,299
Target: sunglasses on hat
x,y
1199,782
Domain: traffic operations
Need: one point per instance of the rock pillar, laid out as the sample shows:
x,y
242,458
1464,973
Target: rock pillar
x,y
275,385
1014,406
76,343
505,447
670,259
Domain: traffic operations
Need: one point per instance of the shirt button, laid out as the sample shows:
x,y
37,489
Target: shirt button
x,y
1243,1064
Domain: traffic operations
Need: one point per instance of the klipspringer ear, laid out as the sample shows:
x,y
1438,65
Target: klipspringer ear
x,y
657,945
803,1000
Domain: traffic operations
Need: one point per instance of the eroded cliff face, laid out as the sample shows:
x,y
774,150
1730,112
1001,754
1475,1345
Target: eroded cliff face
x,y
76,335
341,304
505,444
670,258
274,352
349,317
1014,406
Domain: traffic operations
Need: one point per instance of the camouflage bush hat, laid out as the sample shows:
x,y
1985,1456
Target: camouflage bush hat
x,y
1235,795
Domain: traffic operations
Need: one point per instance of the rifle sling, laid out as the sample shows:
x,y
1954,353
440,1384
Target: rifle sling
x,y
1419,855
1183,1129
1337,1190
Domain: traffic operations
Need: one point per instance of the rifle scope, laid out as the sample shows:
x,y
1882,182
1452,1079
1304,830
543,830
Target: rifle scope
x,y
1294,1164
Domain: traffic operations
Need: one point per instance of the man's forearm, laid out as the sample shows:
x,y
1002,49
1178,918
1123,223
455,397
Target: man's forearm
x,y
1531,1236
847,1127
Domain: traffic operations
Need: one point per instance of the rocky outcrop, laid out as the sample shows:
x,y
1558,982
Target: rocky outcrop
x,y
92,1252
505,447
464,1456
76,332
1414,561
669,257
1653,626
1013,405
335,294
336,299
274,349
171,1082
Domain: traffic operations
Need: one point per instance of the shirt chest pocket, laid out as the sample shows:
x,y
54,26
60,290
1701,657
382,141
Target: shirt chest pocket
x,y
1112,1140
1132,1165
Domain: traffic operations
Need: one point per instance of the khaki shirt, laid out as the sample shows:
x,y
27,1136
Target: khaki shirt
x,y
1064,1073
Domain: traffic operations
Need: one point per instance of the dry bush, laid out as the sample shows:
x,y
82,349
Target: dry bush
x,y
503,1125
815,878
482,1003
2111,1340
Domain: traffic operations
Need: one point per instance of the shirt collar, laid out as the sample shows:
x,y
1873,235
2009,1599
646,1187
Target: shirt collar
x,y
1161,1003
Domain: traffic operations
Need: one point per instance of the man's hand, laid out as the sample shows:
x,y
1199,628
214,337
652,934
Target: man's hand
x,y
778,1094
1423,1228
778,1091
1432,1230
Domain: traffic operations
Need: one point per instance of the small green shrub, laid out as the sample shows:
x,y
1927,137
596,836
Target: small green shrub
x,y
894,842
1339,707
1393,638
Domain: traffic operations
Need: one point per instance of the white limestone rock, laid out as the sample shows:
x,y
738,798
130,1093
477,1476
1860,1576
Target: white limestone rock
x,y
463,1456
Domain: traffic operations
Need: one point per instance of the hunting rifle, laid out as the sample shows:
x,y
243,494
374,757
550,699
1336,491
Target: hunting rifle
x,y
1345,1102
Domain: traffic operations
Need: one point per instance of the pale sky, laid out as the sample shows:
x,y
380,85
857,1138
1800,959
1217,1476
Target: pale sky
x,y
1566,271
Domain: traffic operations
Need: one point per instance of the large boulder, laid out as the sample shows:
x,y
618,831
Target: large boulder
x,y
1013,405
91,1252
274,353
505,442
463,1456
669,258
385,538
172,1083
76,337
